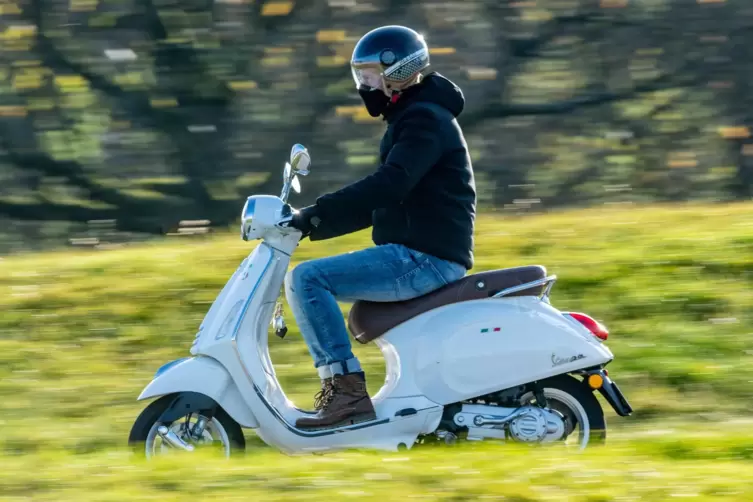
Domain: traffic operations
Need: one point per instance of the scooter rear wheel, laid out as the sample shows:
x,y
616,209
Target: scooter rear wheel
x,y
578,403
221,431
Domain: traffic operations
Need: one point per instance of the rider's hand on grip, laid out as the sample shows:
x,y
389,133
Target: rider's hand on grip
x,y
305,220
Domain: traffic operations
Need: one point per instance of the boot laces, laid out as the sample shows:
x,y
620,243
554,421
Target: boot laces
x,y
329,395
324,396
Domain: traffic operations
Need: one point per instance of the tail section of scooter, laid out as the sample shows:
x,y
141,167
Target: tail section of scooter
x,y
486,358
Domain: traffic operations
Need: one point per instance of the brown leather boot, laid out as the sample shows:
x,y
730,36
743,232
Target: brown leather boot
x,y
347,404
322,396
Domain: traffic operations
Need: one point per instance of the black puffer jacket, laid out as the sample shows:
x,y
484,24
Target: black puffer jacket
x,y
423,195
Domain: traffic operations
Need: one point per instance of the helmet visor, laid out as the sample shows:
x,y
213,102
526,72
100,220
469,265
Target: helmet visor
x,y
367,76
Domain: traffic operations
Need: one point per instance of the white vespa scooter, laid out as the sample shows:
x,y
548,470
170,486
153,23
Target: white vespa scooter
x,y
484,357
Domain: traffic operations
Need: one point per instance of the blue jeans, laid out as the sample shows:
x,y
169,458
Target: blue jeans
x,y
387,273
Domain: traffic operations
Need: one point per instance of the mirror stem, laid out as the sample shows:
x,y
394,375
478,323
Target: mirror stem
x,y
285,191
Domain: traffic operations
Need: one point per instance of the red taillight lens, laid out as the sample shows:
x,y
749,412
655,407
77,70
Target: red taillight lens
x,y
599,330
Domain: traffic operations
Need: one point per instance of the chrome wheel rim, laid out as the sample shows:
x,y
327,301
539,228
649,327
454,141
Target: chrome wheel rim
x,y
213,431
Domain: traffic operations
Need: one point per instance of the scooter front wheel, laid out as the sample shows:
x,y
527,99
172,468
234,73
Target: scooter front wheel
x,y
192,432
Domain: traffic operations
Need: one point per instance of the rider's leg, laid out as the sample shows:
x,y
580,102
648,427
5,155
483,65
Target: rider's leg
x,y
383,273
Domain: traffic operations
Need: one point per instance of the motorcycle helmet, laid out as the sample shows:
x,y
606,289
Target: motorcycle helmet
x,y
385,62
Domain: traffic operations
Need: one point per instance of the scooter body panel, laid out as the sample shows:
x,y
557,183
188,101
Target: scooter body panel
x,y
470,349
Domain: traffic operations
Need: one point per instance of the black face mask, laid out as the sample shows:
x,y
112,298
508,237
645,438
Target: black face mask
x,y
375,100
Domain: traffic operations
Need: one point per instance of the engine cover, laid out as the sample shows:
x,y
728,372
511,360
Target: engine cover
x,y
527,424
537,425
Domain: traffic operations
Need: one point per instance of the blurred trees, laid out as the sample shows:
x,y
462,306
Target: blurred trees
x,y
148,112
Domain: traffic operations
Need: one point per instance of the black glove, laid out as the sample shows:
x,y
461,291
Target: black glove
x,y
306,220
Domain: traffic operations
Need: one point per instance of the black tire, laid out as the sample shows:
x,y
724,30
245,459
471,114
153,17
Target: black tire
x,y
143,424
585,396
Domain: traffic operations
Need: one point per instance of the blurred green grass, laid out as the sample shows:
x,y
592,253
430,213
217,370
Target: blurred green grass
x,y
82,332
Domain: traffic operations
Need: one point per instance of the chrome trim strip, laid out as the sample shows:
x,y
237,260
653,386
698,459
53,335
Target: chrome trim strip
x,y
548,281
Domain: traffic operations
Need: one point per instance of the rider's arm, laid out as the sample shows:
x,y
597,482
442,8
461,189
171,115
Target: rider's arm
x,y
416,148
346,224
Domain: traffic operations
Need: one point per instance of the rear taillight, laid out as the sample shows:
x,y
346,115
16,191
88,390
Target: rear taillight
x,y
595,327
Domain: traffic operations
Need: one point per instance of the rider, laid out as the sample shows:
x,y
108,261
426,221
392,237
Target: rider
x,y
421,202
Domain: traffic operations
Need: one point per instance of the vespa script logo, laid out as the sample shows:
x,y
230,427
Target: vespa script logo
x,y
559,361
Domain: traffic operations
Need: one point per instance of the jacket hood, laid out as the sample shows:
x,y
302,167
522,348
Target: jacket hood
x,y
437,89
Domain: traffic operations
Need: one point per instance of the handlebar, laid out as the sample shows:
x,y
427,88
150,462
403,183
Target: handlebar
x,y
285,222
287,217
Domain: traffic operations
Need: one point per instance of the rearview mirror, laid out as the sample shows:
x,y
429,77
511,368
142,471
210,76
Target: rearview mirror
x,y
300,160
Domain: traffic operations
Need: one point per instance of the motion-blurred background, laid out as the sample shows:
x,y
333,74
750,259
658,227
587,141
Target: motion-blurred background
x,y
611,141
133,115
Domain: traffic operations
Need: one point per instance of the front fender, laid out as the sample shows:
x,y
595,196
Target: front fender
x,y
201,375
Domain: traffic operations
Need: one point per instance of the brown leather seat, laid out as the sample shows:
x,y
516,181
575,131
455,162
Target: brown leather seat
x,y
370,320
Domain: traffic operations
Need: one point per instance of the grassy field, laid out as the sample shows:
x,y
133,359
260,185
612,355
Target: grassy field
x,y
81,332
